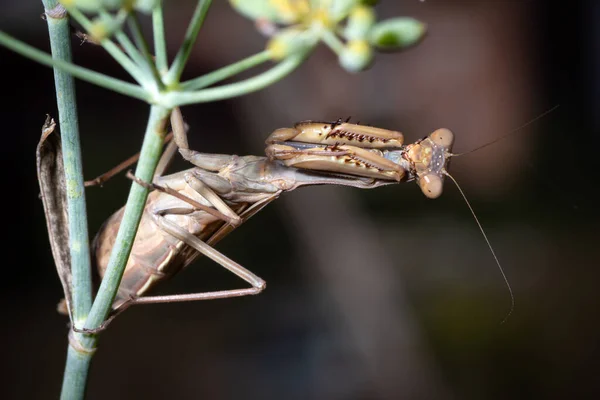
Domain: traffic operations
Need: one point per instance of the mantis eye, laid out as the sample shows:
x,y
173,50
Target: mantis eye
x,y
431,185
443,137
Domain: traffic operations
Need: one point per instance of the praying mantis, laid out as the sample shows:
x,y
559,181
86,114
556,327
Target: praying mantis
x,y
188,212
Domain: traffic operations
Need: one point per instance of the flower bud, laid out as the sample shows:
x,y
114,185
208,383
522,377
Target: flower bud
x,y
356,56
397,33
360,22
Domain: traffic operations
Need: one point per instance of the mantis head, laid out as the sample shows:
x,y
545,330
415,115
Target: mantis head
x,y
429,159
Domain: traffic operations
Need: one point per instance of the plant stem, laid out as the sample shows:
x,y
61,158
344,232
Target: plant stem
x,y
85,74
76,373
60,44
149,155
160,44
133,52
253,84
138,35
191,34
110,47
77,365
333,41
226,72
130,48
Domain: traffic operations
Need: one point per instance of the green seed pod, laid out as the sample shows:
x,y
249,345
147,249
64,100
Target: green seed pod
x,y
397,33
360,22
291,41
356,56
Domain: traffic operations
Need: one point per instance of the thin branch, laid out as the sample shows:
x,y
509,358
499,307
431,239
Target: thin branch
x,y
149,155
85,74
333,41
191,34
250,85
130,49
160,43
142,45
226,72
115,51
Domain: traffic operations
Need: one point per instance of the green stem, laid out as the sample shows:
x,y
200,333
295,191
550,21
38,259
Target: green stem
x,y
129,48
77,365
111,48
76,373
133,52
149,155
333,41
160,43
253,84
226,72
191,34
85,74
60,44
138,36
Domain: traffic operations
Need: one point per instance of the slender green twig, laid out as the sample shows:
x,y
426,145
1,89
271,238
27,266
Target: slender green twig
x,y
226,72
130,49
136,30
134,53
253,84
191,34
149,155
160,43
112,49
77,366
332,41
85,74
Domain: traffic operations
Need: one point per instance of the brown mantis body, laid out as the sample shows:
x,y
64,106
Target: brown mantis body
x,y
194,209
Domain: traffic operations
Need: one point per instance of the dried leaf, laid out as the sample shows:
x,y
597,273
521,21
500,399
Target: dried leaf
x,y
51,177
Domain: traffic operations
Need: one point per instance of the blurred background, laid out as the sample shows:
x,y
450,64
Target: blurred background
x,y
379,294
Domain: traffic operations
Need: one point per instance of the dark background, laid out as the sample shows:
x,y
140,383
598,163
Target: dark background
x,y
378,294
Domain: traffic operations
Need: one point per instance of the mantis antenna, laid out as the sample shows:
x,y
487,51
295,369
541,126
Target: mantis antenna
x,y
512,297
511,132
